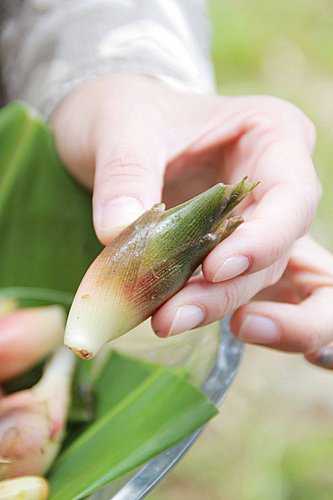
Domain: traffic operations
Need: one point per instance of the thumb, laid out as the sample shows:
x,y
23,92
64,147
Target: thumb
x,y
128,178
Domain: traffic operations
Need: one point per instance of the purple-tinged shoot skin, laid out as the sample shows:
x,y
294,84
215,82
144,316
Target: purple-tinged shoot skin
x,y
146,264
24,488
27,336
32,422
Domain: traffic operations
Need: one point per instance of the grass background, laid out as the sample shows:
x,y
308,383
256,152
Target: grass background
x,y
274,437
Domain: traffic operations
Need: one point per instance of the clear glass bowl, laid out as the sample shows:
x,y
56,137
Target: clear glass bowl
x,y
139,484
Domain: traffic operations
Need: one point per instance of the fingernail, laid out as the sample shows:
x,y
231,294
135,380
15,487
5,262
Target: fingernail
x,y
119,213
231,267
186,318
259,330
324,358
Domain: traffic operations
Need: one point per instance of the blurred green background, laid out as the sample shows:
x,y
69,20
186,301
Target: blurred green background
x,y
274,437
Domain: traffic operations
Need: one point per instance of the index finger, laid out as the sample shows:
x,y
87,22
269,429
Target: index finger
x,y
283,208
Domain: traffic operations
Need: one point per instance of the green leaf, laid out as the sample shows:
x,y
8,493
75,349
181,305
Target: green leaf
x,y
105,388
120,376
47,238
161,410
94,394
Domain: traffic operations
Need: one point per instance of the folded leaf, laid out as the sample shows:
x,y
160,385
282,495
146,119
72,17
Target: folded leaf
x,y
120,376
162,409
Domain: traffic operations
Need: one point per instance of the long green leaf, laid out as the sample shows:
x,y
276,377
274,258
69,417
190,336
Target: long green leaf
x,y
47,238
117,377
120,376
160,411
94,394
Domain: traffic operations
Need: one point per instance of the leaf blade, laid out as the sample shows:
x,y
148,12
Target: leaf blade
x,y
161,411
47,237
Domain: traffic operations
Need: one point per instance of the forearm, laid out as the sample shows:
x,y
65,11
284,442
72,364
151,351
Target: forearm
x,y
48,51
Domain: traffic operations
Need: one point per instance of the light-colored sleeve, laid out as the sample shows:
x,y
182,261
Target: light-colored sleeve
x,y
48,47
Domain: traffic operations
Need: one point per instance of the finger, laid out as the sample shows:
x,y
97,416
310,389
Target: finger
x,y
309,255
322,358
267,233
201,302
130,164
303,327
283,205
311,265
27,336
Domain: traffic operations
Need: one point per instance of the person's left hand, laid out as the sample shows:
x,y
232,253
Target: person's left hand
x,y
131,137
296,314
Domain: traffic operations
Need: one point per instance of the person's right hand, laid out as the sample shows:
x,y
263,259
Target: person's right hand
x,y
131,138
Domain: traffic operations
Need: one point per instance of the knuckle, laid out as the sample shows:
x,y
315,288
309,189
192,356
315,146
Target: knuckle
x,y
126,169
280,244
311,131
272,241
283,108
276,271
319,189
119,184
278,111
126,162
313,340
308,196
231,298
306,126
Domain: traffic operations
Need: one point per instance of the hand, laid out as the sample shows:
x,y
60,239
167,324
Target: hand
x,y
301,318
130,138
